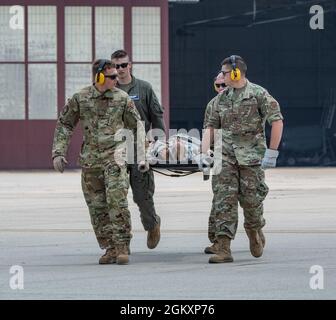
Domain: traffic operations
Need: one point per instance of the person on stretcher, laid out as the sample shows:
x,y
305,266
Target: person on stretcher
x,y
179,148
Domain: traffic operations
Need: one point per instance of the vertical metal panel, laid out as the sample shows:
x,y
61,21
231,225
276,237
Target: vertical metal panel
x,y
128,29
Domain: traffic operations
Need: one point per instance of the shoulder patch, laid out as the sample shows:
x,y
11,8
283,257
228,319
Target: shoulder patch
x,y
274,105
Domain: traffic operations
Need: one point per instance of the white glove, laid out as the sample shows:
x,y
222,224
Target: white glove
x,y
204,161
143,166
269,160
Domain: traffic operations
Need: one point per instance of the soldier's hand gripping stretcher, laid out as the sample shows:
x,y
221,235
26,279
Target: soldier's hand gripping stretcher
x,y
205,163
143,166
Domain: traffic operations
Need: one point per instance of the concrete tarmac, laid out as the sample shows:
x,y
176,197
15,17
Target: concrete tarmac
x,y
45,229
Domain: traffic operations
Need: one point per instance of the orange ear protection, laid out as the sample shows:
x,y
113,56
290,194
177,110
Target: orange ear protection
x,y
100,78
235,73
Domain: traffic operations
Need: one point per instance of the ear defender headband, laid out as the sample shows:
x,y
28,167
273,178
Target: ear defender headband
x,y
235,73
100,78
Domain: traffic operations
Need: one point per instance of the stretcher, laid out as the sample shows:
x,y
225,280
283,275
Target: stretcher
x,y
179,170
176,157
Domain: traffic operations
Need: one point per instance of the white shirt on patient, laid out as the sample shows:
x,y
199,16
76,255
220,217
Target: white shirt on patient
x,y
179,147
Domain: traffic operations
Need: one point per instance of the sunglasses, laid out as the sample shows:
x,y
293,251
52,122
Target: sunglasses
x,y
218,85
225,72
122,65
111,76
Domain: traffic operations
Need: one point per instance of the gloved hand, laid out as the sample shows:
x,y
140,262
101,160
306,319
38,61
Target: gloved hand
x,y
143,166
269,160
59,163
204,161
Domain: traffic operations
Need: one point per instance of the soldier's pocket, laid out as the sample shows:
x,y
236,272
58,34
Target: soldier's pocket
x,y
85,110
114,111
249,115
262,189
214,184
93,180
117,176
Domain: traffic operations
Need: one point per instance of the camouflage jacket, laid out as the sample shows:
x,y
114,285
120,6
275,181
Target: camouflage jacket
x,y
241,118
101,115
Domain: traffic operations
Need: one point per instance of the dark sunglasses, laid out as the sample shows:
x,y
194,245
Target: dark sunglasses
x,y
111,76
122,65
218,85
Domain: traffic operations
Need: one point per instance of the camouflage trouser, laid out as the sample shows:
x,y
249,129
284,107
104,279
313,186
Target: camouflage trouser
x,y
105,192
212,224
143,186
212,218
243,184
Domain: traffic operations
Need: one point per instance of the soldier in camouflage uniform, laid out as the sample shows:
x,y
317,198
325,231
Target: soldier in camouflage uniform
x,y
240,112
151,112
219,86
102,111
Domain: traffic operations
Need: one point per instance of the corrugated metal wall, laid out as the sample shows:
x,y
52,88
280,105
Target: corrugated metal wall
x,y
295,63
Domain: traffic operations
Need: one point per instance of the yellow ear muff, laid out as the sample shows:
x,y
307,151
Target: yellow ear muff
x,y
235,74
100,78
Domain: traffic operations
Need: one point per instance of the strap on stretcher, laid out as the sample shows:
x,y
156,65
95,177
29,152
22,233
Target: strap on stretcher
x,y
178,169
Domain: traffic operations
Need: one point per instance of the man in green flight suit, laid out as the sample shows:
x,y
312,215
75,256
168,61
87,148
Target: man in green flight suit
x,y
151,112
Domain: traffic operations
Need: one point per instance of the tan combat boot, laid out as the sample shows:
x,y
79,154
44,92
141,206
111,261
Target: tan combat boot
x,y
256,244
122,254
262,237
224,252
153,236
213,249
109,257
